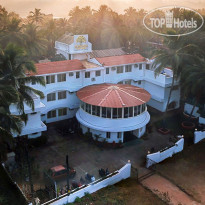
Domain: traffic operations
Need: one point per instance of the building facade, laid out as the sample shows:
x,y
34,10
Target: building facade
x,y
112,112
65,78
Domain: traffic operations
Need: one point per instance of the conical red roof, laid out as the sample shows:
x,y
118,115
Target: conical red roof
x,y
113,95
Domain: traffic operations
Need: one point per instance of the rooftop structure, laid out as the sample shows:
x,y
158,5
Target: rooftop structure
x,y
115,96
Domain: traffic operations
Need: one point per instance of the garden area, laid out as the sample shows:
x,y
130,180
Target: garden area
x,y
186,170
126,192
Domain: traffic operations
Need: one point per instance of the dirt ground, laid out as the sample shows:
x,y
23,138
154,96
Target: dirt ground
x,y
187,171
126,192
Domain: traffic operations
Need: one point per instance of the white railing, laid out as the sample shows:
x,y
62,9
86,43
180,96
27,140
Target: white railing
x,y
198,136
165,153
115,177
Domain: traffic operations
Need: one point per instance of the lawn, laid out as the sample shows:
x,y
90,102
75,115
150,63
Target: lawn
x,y
187,170
126,192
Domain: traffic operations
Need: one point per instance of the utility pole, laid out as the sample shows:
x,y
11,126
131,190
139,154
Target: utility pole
x,y
67,168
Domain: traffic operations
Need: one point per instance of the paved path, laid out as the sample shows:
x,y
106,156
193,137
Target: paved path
x,y
167,191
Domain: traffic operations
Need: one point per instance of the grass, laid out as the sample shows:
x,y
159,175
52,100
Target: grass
x,y
9,194
186,170
126,192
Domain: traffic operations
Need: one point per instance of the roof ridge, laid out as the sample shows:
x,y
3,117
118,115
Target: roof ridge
x,y
105,96
119,97
132,95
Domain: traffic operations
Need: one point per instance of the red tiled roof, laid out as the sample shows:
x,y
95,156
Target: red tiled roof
x,y
113,95
57,67
119,60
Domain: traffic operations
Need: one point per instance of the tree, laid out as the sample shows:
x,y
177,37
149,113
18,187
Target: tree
x,y
36,16
14,89
35,44
12,32
192,83
176,53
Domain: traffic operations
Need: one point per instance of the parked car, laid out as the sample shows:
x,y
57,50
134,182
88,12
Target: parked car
x,y
60,171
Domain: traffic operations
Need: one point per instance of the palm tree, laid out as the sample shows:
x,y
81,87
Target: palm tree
x,y
14,89
176,53
13,70
36,16
35,44
12,33
192,83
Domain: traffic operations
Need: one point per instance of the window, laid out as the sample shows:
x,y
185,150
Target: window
x,y
107,70
94,110
97,73
51,114
62,111
114,113
108,135
77,74
138,109
87,74
136,65
82,105
135,111
61,77
50,79
88,108
143,107
104,112
119,135
71,74
140,66
61,95
119,112
147,66
108,112
128,68
125,112
128,82
69,56
139,82
98,111
33,113
130,111
120,69
51,97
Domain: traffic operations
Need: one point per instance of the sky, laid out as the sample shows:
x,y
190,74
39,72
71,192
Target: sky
x,y
61,8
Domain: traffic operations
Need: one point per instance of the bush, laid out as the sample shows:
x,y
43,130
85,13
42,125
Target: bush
x,y
39,141
88,135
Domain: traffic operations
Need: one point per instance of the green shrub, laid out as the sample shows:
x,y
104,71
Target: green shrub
x,y
88,135
77,200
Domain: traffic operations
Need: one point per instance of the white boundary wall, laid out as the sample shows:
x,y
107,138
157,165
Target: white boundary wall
x,y
202,120
162,155
198,136
123,173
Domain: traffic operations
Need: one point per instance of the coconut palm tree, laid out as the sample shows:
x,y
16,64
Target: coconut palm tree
x,y
176,53
36,16
35,44
12,33
14,70
192,83
14,88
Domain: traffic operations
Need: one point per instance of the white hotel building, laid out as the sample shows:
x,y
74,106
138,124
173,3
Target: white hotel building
x,y
89,68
